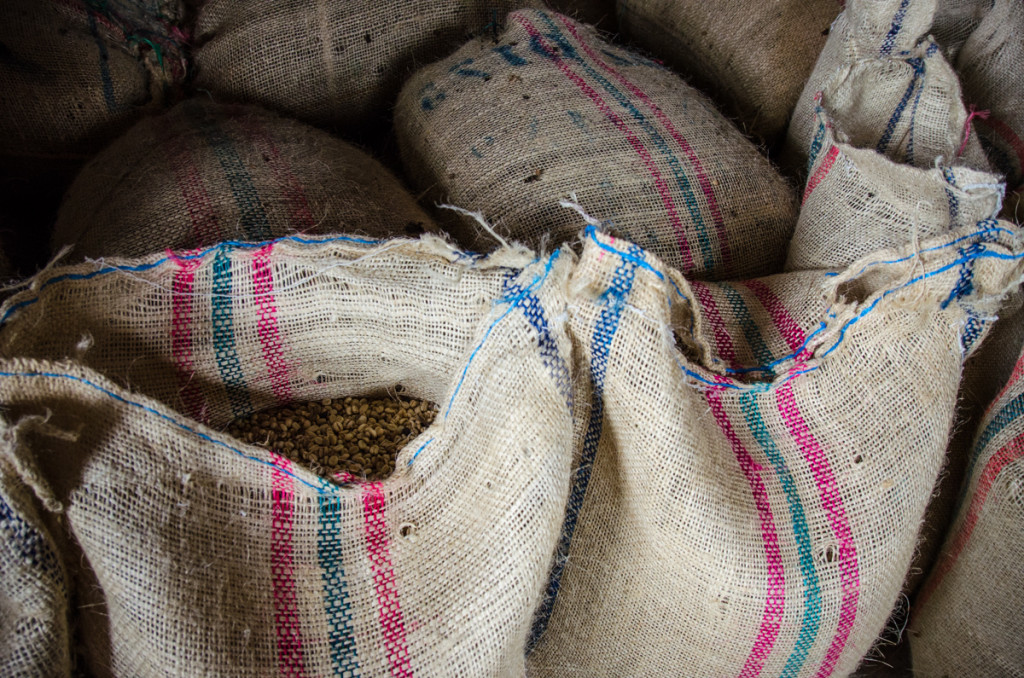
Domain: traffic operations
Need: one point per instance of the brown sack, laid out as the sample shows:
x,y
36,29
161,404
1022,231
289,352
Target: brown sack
x,y
216,557
719,524
510,129
77,73
34,592
330,63
203,173
754,58
889,162
969,616
990,64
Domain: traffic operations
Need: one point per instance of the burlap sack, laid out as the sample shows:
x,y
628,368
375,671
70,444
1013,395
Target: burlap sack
x,y
990,65
202,173
985,374
724,526
330,63
754,58
881,177
76,73
969,616
551,110
33,583
883,42
218,557
599,13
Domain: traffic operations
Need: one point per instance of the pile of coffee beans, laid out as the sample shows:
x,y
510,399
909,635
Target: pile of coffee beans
x,y
358,436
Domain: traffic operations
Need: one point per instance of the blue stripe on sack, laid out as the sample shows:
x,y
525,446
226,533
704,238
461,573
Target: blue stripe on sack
x,y
29,545
252,216
918,65
604,332
106,81
337,604
954,202
812,589
549,354
173,421
569,52
223,321
819,139
897,24
750,331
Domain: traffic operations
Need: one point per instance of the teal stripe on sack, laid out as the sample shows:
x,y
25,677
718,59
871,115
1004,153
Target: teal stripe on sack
x,y
337,604
223,321
751,332
252,216
568,52
812,589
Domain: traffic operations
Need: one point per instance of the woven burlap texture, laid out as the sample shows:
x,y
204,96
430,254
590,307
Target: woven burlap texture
x,y
203,173
990,64
717,527
885,42
551,110
219,557
330,63
754,58
969,616
986,372
33,582
75,74
887,162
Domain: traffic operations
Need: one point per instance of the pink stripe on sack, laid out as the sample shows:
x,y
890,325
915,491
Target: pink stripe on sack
x,y
392,624
791,332
723,342
634,141
1008,454
286,610
266,324
181,337
1018,372
301,216
820,173
832,502
684,145
205,225
775,601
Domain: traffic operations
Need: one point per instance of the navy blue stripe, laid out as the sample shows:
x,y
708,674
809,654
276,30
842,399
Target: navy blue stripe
x,y
890,128
897,24
546,345
105,79
604,332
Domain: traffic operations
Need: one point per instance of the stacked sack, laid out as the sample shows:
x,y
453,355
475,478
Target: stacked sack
x,y
720,523
754,57
330,63
967,618
76,73
203,173
196,551
510,127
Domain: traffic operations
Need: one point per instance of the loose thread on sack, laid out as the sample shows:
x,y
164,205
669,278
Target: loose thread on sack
x,y
972,113
802,369
320,489
479,218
